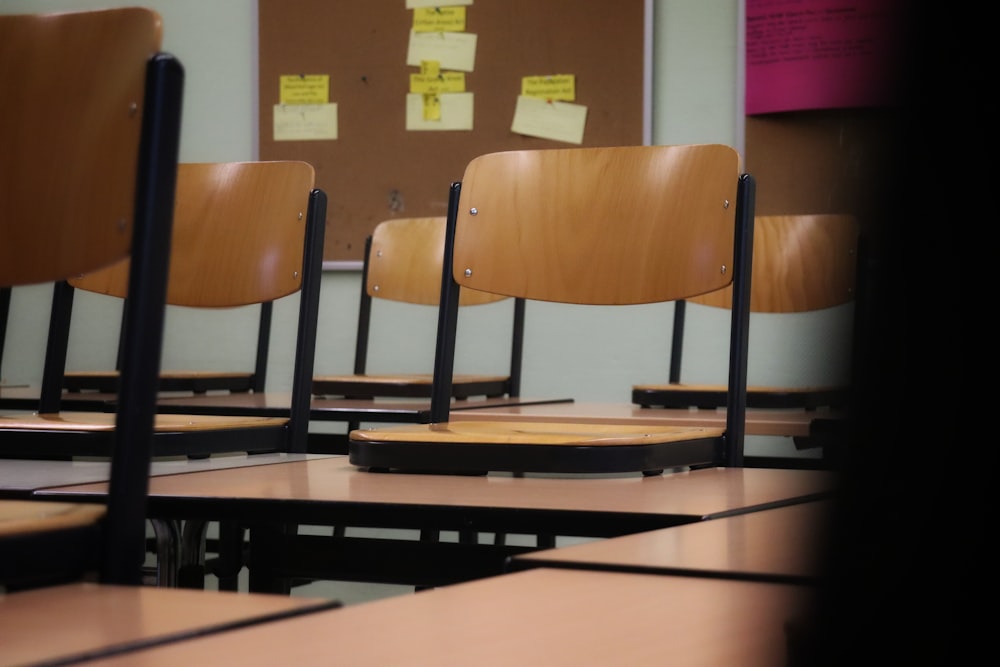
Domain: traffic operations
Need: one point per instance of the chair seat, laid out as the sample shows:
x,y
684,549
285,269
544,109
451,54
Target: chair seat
x,y
533,447
408,385
105,421
22,517
683,395
533,433
48,542
179,380
70,434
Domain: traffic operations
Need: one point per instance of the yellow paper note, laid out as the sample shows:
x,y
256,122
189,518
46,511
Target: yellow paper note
x,y
559,121
430,67
456,112
305,122
560,87
304,89
446,82
432,107
453,50
413,4
439,19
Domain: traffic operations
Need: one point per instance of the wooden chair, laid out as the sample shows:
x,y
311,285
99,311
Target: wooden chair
x,y
245,233
801,263
403,260
197,203
599,226
90,131
4,315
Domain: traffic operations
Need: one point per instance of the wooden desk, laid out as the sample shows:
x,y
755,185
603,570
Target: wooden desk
x,y
540,617
20,478
24,397
60,624
276,404
777,545
269,404
759,421
798,424
331,492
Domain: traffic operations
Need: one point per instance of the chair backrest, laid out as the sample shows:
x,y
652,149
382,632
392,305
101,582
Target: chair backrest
x,y
403,262
602,226
5,293
239,230
245,233
89,130
801,263
234,204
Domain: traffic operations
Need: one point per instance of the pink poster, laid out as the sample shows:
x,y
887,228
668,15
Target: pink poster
x,y
820,54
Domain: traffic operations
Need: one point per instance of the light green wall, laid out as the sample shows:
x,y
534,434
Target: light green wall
x,y
593,354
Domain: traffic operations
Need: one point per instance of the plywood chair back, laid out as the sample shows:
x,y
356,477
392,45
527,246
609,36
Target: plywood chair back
x,y
245,233
589,226
90,129
5,293
801,264
403,262
241,206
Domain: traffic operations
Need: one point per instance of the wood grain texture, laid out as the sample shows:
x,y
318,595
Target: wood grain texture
x,y
557,618
20,517
662,228
511,432
91,619
406,261
239,230
45,148
105,421
800,263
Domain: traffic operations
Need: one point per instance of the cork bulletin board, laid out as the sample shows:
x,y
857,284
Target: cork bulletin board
x,y
376,169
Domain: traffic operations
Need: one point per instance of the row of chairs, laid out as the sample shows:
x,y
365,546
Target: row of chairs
x,y
244,234
92,197
801,263
600,226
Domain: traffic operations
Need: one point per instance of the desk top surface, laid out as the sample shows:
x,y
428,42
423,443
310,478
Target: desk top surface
x,y
26,397
539,617
271,403
75,620
20,477
759,421
335,409
331,480
778,544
